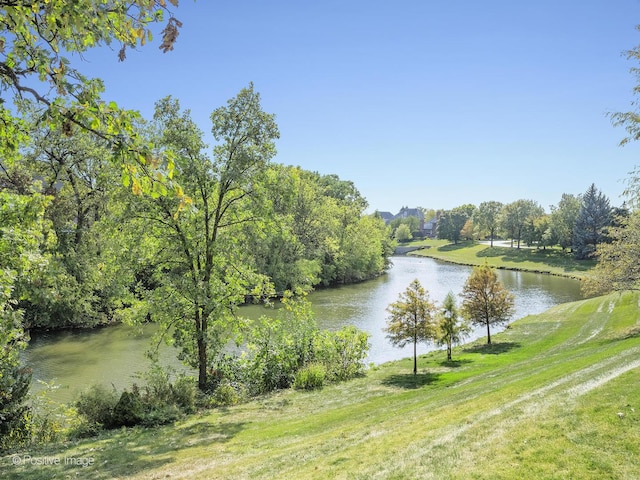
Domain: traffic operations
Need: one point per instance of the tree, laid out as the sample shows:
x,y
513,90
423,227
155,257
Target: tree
x,y
411,319
486,301
450,329
563,219
593,219
514,217
38,40
23,269
618,268
487,217
452,222
202,265
403,233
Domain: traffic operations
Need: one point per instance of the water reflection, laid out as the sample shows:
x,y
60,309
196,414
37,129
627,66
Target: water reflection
x,y
113,355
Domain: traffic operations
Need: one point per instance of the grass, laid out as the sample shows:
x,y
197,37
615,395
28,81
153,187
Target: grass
x,y
554,397
552,260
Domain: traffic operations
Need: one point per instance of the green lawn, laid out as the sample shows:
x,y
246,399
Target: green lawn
x,y
555,397
551,260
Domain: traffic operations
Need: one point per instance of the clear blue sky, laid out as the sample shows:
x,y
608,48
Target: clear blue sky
x,y
418,102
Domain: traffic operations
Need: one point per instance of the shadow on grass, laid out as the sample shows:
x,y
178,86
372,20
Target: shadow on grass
x,y
493,348
455,363
122,453
411,381
549,257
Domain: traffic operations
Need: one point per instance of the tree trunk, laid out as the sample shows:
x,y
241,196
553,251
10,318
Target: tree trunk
x,y
201,326
488,334
415,357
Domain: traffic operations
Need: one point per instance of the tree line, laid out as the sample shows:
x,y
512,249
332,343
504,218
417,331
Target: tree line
x,y
578,223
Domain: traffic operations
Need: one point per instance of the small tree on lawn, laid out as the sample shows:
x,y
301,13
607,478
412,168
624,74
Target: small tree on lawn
x,y
451,328
486,300
411,319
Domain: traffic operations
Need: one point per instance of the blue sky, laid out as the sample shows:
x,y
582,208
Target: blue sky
x,y
418,102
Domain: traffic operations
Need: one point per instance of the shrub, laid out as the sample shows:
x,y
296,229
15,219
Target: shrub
x,y
342,352
227,394
310,377
129,410
97,405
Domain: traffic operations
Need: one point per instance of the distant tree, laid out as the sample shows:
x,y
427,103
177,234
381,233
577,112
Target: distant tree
x,y
485,300
593,219
514,217
563,219
487,217
403,233
468,231
411,319
451,328
452,222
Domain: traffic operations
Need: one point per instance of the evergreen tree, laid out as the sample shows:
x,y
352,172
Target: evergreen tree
x,y
593,219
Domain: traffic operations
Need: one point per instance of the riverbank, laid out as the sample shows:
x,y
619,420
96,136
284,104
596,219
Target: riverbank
x,y
554,397
551,261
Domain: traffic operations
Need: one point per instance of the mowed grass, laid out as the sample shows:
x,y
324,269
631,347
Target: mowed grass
x,y
552,260
555,397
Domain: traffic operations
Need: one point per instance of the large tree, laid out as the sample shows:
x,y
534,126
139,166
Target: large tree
x,y
485,300
412,319
203,269
41,46
593,219
487,217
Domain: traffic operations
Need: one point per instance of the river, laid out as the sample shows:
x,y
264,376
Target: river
x,y
74,360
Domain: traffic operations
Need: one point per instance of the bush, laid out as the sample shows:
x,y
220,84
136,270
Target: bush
x,y
342,352
310,377
227,394
97,405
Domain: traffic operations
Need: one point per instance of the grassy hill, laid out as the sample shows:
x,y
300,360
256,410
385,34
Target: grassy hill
x,y
555,397
552,260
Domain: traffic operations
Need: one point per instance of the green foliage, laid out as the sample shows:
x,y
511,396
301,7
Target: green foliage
x,y
451,222
618,267
227,394
594,217
37,38
411,319
96,405
451,330
277,347
310,377
403,233
487,217
158,402
515,217
342,352
563,219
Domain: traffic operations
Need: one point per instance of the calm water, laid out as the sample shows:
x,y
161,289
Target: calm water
x,y
113,355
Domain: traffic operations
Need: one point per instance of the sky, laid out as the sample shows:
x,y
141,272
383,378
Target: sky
x,y
431,103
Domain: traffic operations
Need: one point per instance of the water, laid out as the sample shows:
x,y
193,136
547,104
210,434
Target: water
x,y
114,355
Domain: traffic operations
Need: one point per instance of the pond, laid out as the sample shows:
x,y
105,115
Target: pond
x,y
74,360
